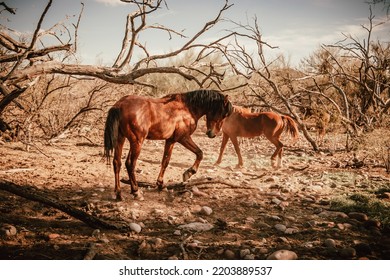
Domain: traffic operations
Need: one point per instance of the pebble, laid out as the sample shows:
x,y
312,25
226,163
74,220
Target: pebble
x,y
291,230
244,252
8,230
358,216
348,252
229,254
206,210
372,223
330,243
52,236
249,257
263,225
283,255
280,227
363,249
276,201
197,226
197,192
135,227
334,214
96,233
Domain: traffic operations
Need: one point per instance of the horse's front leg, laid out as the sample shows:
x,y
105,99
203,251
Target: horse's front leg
x,y
164,163
190,145
225,139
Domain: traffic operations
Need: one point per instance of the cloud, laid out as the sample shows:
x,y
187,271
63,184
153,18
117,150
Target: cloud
x,y
111,2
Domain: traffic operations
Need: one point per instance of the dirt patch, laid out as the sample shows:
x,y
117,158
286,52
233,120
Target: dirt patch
x,y
258,211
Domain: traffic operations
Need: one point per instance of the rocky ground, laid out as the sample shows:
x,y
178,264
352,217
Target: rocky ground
x,y
256,212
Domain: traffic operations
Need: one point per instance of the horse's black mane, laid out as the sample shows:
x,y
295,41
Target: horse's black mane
x,y
209,100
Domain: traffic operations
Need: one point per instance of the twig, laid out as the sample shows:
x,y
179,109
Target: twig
x,y
28,143
91,252
16,170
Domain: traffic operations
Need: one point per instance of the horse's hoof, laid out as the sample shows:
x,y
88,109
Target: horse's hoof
x,y
119,197
187,175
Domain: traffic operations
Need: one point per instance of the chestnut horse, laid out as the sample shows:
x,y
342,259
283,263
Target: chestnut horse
x,y
243,123
172,118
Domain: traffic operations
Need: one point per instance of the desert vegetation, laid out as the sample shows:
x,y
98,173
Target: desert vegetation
x,y
330,201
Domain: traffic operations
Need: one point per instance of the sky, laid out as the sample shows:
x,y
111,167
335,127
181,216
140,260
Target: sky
x,y
296,27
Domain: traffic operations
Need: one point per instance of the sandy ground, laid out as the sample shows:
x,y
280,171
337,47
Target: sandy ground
x,y
255,210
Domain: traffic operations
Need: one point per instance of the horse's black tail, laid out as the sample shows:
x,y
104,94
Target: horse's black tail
x,y
111,131
290,126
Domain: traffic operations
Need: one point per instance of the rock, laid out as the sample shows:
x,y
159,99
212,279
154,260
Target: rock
x,y
197,192
361,217
291,230
52,236
280,227
177,232
363,249
276,218
7,230
158,212
263,225
330,243
249,257
340,226
276,201
206,210
283,255
96,233
197,226
348,253
332,214
135,227
244,252
385,195
229,254
372,224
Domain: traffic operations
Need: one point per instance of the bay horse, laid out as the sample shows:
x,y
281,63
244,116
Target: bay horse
x,y
172,118
243,123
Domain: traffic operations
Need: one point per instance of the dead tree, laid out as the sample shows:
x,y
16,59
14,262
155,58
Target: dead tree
x,y
22,62
263,82
359,75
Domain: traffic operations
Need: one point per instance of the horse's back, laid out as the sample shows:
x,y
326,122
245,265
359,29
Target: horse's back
x,y
247,124
152,118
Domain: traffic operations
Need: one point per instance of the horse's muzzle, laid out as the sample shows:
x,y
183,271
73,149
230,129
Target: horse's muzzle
x,y
210,133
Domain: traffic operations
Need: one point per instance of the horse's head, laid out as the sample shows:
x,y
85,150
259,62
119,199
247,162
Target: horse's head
x,y
214,118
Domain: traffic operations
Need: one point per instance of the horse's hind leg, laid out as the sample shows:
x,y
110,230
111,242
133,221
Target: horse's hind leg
x,y
225,139
135,150
276,158
190,145
237,149
165,161
117,165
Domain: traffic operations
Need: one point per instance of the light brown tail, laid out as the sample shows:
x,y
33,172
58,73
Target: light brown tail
x,y
290,126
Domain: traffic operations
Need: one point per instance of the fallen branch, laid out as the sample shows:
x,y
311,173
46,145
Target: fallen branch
x,y
34,194
91,252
